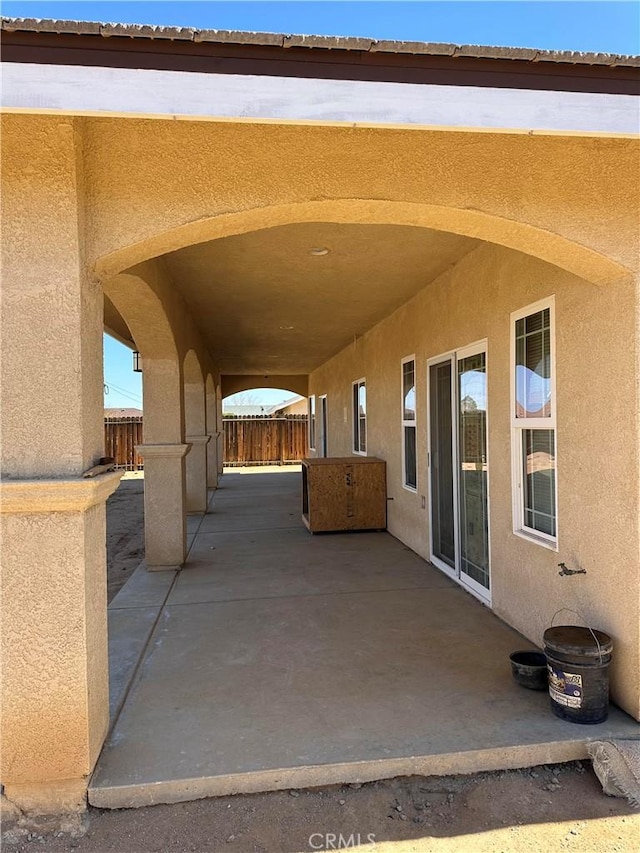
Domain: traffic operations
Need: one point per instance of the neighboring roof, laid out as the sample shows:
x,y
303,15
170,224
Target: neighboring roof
x,y
297,398
115,412
247,410
342,43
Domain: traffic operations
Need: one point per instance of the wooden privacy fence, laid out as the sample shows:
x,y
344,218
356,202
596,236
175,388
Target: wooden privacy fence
x,y
120,438
247,441
265,441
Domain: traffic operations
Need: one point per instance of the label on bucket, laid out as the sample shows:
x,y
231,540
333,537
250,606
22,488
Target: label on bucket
x,y
565,688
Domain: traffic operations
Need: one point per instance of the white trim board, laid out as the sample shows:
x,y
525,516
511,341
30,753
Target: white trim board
x,y
127,92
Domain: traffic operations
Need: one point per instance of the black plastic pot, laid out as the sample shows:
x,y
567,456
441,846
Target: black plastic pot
x,y
529,669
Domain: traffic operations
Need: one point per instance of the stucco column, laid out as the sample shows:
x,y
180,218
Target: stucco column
x,y
212,431
197,473
220,431
55,683
55,697
212,460
165,530
164,452
220,452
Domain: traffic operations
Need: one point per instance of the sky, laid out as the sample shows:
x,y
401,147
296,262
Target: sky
x,y
609,27
123,387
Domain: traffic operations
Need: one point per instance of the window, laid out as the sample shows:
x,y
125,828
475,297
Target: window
x,y
360,417
534,423
408,416
312,422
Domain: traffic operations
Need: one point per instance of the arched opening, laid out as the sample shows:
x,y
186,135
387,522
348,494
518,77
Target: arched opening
x,y
139,310
264,401
461,289
544,244
264,427
146,319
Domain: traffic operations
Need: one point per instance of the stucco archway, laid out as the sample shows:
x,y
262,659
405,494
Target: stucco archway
x,y
163,449
546,245
144,313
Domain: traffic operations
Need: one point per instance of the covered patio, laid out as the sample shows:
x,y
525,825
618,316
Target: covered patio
x,y
359,223
279,659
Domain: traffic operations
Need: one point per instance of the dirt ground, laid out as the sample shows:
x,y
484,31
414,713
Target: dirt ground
x,y
125,532
542,810
538,810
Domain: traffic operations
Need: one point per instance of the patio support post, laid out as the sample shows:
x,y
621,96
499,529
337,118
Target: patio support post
x,y
212,459
220,430
55,690
212,433
165,529
195,420
197,473
164,453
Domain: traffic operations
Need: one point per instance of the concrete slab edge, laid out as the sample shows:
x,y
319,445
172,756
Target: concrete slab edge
x,y
139,794
154,590
118,695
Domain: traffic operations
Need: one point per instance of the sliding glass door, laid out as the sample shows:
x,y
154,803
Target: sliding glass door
x,y
473,470
441,459
458,468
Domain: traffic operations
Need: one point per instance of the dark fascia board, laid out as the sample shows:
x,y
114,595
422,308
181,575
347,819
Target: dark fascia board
x,y
321,57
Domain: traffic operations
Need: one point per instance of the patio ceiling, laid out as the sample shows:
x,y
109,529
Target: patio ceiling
x,y
266,304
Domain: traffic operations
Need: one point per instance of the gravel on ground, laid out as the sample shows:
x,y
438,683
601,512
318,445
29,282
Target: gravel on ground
x,y
537,810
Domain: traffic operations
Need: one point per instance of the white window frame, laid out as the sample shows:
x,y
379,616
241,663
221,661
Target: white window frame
x,y
355,419
408,423
312,421
325,424
519,425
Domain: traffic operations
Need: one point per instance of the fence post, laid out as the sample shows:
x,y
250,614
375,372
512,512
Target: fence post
x,y
121,436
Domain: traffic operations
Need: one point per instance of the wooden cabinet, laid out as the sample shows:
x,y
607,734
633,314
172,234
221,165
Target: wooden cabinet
x,y
344,493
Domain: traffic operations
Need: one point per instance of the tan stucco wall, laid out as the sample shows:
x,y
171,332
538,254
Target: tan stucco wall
x,y
140,182
55,689
85,199
45,287
596,436
71,689
55,709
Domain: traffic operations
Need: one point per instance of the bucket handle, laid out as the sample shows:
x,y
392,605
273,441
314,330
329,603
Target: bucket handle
x,y
580,616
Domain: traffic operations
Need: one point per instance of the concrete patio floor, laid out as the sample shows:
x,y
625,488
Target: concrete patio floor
x,y
277,659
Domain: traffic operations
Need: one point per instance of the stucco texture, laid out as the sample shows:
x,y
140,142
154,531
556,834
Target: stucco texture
x,y
91,206
597,473
51,308
140,183
55,708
